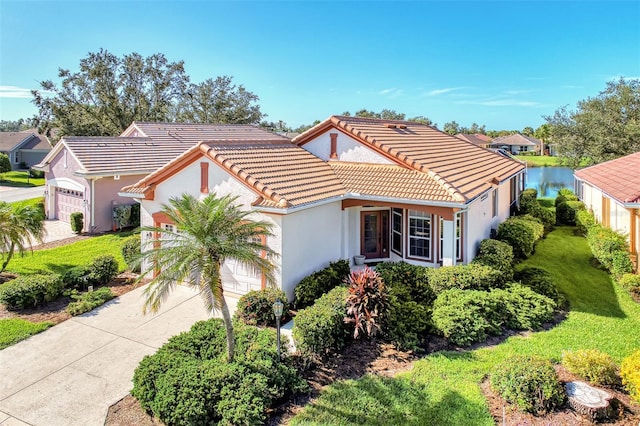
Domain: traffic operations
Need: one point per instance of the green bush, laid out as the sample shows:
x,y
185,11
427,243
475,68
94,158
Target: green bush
x,y
188,380
403,277
630,374
88,301
77,222
584,221
31,290
539,280
565,194
611,249
321,328
536,225
522,308
521,234
593,365
473,276
498,255
567,211
367,302
407,322
528,201
529,382
631,283
103,269
320,282
131,252
467,316
38,174
256,307
77,277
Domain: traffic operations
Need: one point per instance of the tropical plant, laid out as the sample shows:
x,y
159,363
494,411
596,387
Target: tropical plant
x,y
207,233
21,225
367,301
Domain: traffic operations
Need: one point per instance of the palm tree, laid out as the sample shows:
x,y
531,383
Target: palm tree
x,y
207,233
21,225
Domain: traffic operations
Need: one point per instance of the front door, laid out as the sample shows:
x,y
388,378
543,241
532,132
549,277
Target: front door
x,y
374,241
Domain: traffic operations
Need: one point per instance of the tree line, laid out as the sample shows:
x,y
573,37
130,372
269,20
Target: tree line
x,y
108,93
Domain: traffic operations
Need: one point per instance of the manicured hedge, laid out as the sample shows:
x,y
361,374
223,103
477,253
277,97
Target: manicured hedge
x,y
521,234
611,249
522,308
529,205
256,307
584,221
567,211
320,282
473,276
321,328
188,380
77,222
631,283
31,290
103,269
498,255
131,251
565,194
403,277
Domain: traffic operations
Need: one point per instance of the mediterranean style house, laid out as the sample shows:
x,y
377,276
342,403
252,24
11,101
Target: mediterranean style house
x,y
350,186
84,174
611,190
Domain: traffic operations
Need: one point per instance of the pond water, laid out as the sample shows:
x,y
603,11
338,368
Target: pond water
x,y
548,180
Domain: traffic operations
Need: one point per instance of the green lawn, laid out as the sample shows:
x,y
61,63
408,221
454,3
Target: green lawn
x,y
18,178
59,259
539,160
31,201
443,388
13,330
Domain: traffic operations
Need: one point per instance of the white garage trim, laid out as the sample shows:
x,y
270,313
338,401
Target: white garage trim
x,y
66,183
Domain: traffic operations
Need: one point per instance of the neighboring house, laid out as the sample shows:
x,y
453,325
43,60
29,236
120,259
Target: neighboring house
x,y
84,174
478,139
611,190
26,147
517,143
387,190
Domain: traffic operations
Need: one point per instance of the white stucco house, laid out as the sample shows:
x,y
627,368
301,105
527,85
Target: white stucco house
x,y
611,190
388,190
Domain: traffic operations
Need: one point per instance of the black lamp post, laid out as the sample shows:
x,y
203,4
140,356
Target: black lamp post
x,y
277,311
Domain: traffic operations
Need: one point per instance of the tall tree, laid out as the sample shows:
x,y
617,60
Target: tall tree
x,y
108,93
601,128
21,225
527,131
208,233
422,120
219,101
452,128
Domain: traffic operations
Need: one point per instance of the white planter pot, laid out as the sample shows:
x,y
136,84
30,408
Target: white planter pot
x,y
359,260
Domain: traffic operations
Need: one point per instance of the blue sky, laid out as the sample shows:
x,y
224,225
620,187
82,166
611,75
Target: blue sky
x,y
502,64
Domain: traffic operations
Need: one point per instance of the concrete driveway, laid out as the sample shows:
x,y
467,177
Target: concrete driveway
x,y
71,373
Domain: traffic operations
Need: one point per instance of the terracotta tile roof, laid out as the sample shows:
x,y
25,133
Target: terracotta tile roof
x,y
284,174
189,134
619,178
517,139
457,165
477,139
384,180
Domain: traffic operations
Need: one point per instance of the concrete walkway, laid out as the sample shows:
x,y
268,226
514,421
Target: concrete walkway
x,y
71,373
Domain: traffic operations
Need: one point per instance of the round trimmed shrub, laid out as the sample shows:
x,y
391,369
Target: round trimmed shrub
x,y
31,290
76,277
320,282
498,255
256,307
321,328
411,280
103,269
539,280
519,234
131,252
631,283
529,382
630,374
466,316
565,194
407,322
567,210
473,276
522,308
593,365
77,222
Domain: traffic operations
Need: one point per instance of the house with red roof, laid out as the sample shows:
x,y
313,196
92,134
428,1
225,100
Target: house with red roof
x,y
479,139
85,174
611,190
386,190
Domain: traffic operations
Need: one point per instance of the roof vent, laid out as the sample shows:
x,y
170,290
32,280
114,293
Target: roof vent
x,y
390,125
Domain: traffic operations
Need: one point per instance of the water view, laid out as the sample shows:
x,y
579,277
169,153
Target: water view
x,y
549,180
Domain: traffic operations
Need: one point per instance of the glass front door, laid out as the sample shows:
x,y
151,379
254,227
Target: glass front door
x,y
374,234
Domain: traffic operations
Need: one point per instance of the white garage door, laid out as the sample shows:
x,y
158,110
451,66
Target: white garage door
x,y
237,278
67,202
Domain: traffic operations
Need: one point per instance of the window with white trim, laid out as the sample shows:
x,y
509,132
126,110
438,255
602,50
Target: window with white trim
x,y
419,234
494,203
396,231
